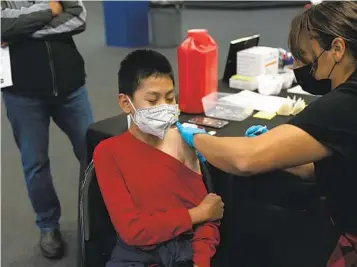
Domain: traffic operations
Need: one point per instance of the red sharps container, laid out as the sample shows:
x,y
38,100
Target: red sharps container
x,y
197,70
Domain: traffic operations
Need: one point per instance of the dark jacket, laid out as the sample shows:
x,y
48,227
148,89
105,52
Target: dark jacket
x,y
174,253
44,57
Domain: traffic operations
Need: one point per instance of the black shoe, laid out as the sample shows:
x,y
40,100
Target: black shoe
x,y
51,244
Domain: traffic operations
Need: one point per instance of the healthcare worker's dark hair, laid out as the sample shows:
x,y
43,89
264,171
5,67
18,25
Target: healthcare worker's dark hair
x,y
324,22
139,65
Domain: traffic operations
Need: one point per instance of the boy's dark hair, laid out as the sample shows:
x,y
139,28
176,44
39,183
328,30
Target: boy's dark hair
x,y
324,22
139,65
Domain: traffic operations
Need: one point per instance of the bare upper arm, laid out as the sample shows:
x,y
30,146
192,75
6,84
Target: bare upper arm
x,y
176,147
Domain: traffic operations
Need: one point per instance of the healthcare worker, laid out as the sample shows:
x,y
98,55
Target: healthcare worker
x,y
321,141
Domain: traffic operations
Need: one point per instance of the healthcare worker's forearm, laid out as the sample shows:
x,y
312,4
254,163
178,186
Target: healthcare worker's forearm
x,y
306,171
229,154
234,155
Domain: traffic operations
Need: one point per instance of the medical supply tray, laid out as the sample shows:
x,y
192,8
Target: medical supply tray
x,y
216,106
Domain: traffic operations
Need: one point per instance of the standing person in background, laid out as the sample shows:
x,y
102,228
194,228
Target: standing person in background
x,y
48,82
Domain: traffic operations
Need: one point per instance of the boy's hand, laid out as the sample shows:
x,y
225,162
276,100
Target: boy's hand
x,y
212,207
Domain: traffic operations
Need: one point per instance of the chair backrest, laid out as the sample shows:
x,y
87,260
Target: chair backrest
x,y
207,178
97,236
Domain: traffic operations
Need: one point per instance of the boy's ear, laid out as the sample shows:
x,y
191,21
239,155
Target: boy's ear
x,y
124,103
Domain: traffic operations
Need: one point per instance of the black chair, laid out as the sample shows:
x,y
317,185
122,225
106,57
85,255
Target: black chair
x,y
96,234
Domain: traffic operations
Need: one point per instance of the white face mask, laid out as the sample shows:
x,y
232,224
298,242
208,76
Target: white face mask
x,y
155,120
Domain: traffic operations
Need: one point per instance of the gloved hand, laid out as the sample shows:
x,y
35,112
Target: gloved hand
x,y
255,130
200,157
187,133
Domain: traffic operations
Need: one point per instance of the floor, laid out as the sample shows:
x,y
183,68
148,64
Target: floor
x,y
19,234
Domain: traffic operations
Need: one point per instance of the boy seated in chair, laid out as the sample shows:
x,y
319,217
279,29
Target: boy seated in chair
x,y
151,180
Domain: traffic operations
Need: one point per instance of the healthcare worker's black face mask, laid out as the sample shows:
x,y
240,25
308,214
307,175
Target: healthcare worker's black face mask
x,y
304,77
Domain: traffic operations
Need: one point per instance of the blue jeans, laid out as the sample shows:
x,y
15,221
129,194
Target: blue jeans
x,y
30,119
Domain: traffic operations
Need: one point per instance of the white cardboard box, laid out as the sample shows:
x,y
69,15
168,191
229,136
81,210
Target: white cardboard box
x,y
257,61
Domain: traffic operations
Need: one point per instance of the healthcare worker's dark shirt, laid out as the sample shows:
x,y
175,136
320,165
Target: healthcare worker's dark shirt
x,y
332,120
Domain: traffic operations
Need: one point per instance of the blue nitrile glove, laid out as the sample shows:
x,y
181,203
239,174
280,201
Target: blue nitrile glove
x,y
187,133
255,130
200,157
